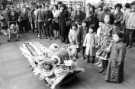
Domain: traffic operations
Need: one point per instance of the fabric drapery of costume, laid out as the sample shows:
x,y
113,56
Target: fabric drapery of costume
x,y
104,40
115,70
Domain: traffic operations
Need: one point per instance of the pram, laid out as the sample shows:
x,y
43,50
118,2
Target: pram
x,y
51,66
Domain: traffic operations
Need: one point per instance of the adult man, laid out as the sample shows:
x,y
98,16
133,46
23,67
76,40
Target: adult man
x,y
130,25
118,15
126,14
23,20
62,23
40,21
80,15
48,22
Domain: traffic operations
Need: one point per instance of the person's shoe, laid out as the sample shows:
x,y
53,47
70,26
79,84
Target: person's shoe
x,y
99,65
17,40
55,38
50,38
101,70
63,41
84,58
107,81
66,42
88,61
129,46
38,36
46,37
9,40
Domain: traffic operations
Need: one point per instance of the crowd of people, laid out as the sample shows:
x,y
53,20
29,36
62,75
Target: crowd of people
x,y
101,33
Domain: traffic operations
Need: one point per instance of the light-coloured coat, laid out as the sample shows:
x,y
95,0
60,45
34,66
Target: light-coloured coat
x,y
89,43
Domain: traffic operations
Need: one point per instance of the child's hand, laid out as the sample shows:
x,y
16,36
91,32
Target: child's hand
x,y
118,63
115,21
49,19
100,23
107,49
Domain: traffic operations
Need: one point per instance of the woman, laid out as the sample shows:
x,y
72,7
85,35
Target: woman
x,y
115,69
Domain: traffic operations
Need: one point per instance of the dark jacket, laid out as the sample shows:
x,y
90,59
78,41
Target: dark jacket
x,y
80,17
63,16
48,15
92,21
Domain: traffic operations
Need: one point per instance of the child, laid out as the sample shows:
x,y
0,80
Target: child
x,y
13,32
116,60
104,34
73,36
89,44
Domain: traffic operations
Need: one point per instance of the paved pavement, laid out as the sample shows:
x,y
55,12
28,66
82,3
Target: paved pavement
x,y
15,72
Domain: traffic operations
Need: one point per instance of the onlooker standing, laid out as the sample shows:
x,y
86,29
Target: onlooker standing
x,y
118,16
62,23
48,22
126,13
130,25
72,36
99,13
32,19
89,44
84,32
79,36
79,15
40,21
23,20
